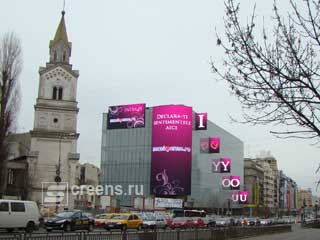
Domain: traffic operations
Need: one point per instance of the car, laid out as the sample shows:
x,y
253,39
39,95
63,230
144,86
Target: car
x,y
253,222
209,221
266,221
181,222
199,223
19,214
70,221
152,222
100,219
223,222
123,221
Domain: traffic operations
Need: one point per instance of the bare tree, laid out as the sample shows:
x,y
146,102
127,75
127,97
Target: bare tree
x,y
10,68
276,74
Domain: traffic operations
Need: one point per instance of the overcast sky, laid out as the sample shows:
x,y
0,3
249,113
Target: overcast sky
x,y
144,51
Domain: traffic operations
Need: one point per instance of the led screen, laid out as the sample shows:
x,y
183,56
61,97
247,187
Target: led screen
x,y
171,150
126,116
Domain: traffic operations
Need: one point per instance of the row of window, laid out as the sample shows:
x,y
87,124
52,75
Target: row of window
x,y
15,207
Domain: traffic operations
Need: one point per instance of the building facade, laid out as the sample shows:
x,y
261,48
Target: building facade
x,y
126,159
304,198
268,186
253,181
53,153
288,191
87,175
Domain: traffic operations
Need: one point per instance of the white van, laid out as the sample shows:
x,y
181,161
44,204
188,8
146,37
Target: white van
x,y
19,214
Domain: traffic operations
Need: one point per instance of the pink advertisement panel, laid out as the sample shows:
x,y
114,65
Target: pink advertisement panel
x,y
201,121
171,150
214,145
126,116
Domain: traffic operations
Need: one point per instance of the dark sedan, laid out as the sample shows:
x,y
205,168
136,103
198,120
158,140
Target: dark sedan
x,y
70,221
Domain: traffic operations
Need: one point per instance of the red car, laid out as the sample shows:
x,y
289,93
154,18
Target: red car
x,y
199,223
181,222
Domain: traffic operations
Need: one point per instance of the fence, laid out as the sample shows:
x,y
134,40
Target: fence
x,y
188,234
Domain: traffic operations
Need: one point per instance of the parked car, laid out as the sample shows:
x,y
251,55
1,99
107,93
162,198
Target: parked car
x,y
70,221
181,222
19,214
123,221
199,223
253,222
152,222
209,221
266,221
244,222
235,221
223,222
100,219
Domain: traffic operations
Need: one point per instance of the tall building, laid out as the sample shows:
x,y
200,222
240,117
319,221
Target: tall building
x,y
253,181
268,185
53,151
288,193
304,198
126,159
270,182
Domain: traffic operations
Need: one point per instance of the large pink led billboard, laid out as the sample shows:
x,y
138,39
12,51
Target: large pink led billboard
x,y
126,116
171,150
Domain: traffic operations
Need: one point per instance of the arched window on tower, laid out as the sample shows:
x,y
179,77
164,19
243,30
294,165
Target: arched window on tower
x,y
57,93
54,93
60,93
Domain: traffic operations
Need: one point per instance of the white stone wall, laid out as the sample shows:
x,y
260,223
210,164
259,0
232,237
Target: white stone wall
x,y
61,78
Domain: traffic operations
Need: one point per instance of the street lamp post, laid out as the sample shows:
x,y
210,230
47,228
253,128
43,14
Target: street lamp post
x,y
57,178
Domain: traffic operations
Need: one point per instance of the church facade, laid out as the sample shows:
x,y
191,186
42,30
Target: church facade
x,y
53,157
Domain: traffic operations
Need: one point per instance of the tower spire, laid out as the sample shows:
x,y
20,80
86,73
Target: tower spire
x,y
60,47
61,33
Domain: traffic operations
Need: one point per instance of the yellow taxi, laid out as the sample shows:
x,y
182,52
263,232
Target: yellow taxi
x,y
100,219
123,221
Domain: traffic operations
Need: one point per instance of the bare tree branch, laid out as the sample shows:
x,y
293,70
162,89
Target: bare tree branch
x,y
10,68
277,78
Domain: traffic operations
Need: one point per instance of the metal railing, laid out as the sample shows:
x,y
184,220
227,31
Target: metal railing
x,y
178,234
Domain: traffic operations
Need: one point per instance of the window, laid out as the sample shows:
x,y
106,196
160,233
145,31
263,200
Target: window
x,y
4,207
64,56
17,207
57,93
77,215
135,217
10,177
130,217
54,93
55,56
60,93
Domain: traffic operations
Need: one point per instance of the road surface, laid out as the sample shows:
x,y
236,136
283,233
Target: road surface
x,y
298,233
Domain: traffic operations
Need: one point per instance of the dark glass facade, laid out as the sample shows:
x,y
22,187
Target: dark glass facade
x,y
126,160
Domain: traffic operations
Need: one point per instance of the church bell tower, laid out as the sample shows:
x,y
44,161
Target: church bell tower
x,y
53,154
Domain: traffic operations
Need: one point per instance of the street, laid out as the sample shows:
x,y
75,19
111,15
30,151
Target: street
x,y
298,233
